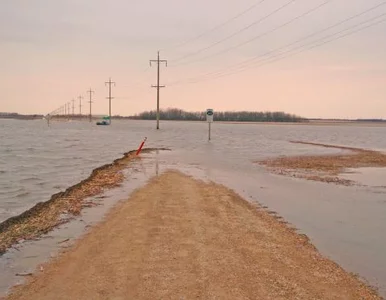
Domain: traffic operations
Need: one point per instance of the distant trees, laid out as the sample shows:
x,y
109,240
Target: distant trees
x,y
6,115
230,116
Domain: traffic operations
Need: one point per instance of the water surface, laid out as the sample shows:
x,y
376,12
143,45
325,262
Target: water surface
x,y
346,223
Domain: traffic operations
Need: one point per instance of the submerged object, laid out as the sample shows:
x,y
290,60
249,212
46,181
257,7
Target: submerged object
x,y
106,121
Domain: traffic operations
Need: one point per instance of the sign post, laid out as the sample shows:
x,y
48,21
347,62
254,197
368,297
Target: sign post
x,y
209,119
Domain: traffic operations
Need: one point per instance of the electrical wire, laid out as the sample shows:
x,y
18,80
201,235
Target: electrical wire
x,y
216,27
235,33
310,47
298,17
248,61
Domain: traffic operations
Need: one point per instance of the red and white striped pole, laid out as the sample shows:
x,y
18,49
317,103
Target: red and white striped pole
x,y
141,146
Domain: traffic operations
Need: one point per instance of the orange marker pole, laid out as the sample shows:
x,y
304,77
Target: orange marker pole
x,y
141,146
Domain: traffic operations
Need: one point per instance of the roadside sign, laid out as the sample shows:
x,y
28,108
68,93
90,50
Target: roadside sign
x,y
209,115
209,119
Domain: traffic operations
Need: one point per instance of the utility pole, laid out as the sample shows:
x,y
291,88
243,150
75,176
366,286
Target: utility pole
x,y
68,107
158,61
80,104
110,83
90,92
65,109
73,107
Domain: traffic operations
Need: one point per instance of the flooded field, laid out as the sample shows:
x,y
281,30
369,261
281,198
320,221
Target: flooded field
x,y
346,224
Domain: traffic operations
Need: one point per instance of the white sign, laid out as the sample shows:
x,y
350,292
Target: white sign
x,y
209,115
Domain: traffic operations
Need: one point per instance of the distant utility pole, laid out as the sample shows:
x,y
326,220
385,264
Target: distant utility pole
x,y
73,106
65,109
110,83
80,104
158,61
68,107
90,92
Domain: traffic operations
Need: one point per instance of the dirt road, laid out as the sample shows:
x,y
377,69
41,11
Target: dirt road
x,y
178,238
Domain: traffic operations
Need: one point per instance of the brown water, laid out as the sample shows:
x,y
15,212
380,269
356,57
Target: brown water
x,y
345,223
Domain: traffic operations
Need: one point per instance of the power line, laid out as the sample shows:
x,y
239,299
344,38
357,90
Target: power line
x,y
312,45
244,12
261,35
235,33
248,61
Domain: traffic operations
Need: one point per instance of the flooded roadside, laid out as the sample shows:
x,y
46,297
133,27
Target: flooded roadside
x,y
182,238
25,257
345,223
61,207
342,222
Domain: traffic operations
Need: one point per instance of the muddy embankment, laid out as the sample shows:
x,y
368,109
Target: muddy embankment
x,y
63,206
325,168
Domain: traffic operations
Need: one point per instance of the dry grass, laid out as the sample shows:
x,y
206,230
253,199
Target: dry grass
x,y
325,168
45,216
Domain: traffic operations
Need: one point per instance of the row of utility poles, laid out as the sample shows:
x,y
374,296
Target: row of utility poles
x,y
66,108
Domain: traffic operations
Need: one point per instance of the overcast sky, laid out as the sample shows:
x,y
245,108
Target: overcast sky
x,y
54,51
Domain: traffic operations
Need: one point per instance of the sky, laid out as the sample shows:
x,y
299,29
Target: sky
x,y
299,56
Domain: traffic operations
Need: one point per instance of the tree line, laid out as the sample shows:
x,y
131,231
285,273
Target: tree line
x,y
6,115
174,114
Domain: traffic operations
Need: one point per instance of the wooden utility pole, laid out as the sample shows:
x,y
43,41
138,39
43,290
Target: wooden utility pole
x,y
90,92
110,83
73,106
80,105
158,86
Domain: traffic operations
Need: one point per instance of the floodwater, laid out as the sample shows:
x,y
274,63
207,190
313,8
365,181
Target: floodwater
x,y
346,224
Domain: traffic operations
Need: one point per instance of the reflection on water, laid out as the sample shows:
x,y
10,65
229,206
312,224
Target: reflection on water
x,y
345,223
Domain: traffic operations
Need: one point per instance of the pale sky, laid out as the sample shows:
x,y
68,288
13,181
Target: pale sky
x,y
54,51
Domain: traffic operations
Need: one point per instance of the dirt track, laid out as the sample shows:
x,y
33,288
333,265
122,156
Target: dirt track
x,y
178,238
